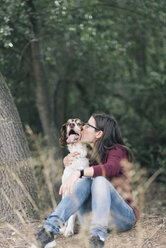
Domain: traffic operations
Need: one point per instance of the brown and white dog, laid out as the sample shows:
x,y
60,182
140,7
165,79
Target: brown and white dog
x,y
70,136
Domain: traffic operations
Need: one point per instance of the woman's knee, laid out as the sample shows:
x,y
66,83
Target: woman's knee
x,y
99,180
100,183
100,191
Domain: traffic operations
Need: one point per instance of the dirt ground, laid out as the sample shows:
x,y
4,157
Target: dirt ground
x,y
149,232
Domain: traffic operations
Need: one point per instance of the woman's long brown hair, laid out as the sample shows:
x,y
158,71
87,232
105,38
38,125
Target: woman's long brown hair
x,y
111,136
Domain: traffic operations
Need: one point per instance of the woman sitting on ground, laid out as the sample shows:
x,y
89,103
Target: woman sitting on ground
x,y
106,184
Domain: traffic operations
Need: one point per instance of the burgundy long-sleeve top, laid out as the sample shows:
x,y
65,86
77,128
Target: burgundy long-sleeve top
x,y
117,169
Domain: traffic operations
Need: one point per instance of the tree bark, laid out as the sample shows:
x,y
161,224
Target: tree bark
x,y
18,191
61,95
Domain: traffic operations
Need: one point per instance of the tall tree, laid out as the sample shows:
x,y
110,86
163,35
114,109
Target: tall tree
x,y
18,192
99,56
42,94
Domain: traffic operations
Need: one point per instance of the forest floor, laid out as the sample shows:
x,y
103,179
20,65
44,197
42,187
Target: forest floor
x,y
149,232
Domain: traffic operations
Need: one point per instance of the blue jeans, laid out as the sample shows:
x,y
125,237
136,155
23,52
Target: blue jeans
x,y
105,203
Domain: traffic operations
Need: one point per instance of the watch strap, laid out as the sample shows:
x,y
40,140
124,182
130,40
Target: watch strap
x,y
81,173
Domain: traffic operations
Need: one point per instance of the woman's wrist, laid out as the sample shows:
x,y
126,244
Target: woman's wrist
x,y
81,172
86,172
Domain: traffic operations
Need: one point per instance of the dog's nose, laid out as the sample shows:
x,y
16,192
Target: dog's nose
x,y
72,125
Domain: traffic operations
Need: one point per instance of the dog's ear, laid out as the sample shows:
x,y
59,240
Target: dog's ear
x,y
62,140
93,155
89,150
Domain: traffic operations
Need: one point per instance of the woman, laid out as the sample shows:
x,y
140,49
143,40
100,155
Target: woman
x,y
107,183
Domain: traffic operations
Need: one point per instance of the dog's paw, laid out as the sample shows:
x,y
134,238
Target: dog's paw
x,y
68,233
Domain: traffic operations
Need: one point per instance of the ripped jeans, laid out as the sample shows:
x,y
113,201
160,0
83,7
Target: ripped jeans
x,y
99,197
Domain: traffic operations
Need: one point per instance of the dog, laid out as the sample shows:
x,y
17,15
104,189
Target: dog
x,y
70,136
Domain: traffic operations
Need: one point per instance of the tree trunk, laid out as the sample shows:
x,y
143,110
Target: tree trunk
x,y
61,95
42,95
18,192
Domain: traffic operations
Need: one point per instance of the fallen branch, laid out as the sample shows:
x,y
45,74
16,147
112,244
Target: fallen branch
x,y
152,178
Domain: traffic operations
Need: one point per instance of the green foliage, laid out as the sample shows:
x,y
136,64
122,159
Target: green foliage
x,y
99,56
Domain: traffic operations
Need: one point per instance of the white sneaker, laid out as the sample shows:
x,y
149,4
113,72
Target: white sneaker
x,y
51,244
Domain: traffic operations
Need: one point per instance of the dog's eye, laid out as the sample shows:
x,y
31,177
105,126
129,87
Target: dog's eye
x,y
79,124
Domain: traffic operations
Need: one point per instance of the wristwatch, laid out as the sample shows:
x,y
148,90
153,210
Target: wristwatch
x,y
81,172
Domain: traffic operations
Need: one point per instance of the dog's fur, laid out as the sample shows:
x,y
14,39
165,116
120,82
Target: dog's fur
x,y
73,126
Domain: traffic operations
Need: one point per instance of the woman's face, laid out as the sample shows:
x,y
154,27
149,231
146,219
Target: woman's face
x,y
89,133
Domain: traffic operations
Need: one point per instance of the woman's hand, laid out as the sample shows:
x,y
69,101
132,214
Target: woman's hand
x,y
67,186
68,160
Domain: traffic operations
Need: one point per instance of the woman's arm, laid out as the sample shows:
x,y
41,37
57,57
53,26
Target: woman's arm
x,y
88,172
67,186
112,167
